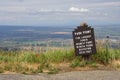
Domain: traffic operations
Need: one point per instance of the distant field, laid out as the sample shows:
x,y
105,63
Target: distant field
x,y
17,36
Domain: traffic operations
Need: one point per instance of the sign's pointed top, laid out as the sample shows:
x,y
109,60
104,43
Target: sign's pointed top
x,y
83,24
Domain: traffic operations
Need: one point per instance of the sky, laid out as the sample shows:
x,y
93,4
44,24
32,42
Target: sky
x,y
59,12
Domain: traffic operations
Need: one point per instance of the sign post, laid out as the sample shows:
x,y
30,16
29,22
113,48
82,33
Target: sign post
x,y
84,41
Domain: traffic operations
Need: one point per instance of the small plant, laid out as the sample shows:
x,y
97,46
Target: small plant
x,y
1,69
8,67
92,64
82,64
53,70
75,62
34,70
105,56
18,68
23,72
28,57
40,68
118,66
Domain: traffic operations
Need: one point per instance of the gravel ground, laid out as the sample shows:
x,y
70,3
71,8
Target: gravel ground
x,y
77,75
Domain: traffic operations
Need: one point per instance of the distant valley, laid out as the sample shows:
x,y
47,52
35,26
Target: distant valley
x,y
17,36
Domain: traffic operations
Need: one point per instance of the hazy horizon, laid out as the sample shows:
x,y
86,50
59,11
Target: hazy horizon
x,y
59,13
63,26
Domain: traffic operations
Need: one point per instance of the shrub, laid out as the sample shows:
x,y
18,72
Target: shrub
x,y
105,56
60,55
53,70
28,57
1,69
75,63
40,68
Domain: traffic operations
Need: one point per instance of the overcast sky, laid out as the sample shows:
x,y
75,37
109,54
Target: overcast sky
x,y
59,12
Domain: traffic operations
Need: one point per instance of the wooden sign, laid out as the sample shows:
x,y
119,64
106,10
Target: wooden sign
x,y
84,41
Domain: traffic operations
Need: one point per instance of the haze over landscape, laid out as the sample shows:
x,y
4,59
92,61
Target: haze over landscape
x,y
59,13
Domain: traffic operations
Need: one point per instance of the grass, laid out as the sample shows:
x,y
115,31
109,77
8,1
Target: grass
x,y
25,61
53,70
1,69
105,56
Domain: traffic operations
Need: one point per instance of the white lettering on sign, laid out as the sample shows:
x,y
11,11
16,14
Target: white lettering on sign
x,y
88,51
84,40
77,37
82,52
89,45
87,36
78,33
82,49
89,42
86,32
83,32
82,46
78,43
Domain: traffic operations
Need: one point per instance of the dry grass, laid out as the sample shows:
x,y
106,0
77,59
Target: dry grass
x,y
56,60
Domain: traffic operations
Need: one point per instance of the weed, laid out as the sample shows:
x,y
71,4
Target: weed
x,y
18,68
53,70
105,56
23,72
8,67
82,64
87,63
75,63
40,68
34,70
1,70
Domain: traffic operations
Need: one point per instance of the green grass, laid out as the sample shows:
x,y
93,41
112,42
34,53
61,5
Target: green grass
x,y
106,56
59,55
12,60
1,69
53,70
